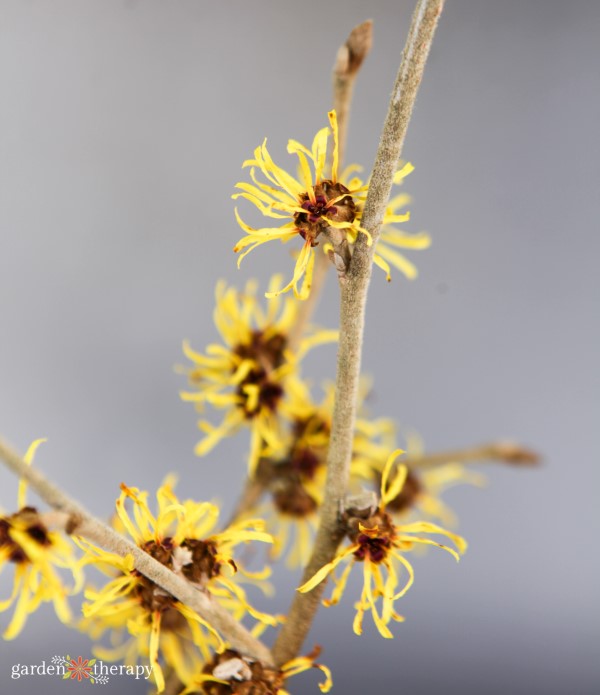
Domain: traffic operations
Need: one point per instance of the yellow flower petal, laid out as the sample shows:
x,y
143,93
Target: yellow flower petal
x,y
320,575
403,172
28,458
391,491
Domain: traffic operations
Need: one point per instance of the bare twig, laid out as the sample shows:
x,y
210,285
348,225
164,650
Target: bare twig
x,y
254,489
349,58
80,522
352,311
506,452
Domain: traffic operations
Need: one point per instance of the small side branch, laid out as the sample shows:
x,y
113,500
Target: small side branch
x,y
349,59
254,489
503,452
352,316
82,523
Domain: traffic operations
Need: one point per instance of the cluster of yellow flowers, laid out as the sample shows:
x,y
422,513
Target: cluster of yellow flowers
x,y
252,375
145,622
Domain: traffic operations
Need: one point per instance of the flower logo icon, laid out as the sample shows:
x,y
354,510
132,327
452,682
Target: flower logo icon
x,y
80,669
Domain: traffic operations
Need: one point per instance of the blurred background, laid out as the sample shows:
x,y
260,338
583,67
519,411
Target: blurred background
x,y
123,127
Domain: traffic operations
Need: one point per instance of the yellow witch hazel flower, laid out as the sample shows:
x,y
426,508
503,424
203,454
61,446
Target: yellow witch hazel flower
x,y
379,544
312,205
37,553
230,673
178,538
391,238
295,478
248,373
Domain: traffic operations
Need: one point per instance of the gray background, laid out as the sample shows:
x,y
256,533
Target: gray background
x,y
123,128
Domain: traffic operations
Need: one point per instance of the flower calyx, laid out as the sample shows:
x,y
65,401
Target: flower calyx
x,y
235,674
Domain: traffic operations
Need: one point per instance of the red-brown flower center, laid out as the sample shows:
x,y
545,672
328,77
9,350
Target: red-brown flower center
x,y
318,208
374,536
269,393
305,462
201,566
28,520
268,353
291,498
408,495
376,549
204,563
326,204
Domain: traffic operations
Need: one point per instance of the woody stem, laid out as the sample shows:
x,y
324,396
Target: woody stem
x,y
354,289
